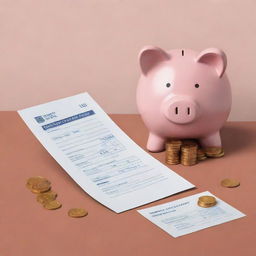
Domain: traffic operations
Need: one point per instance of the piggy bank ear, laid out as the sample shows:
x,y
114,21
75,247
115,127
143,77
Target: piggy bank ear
x,y
215,58
150,56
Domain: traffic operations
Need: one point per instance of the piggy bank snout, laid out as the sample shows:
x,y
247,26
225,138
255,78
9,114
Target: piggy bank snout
x,y
181,111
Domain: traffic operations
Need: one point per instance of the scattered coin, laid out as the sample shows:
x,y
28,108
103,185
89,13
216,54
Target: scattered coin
x,y
34,180
214,152
206,201
52,205
230,183
41,187
46,197
173,152
77,213
201,155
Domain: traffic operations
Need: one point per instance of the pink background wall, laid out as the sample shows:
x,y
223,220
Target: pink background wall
x,y
55,48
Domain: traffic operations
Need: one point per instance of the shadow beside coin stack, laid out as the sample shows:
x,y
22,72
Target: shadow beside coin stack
x,y
188,152
42,187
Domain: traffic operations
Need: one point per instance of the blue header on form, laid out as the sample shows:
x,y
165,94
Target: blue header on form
x,y
68,120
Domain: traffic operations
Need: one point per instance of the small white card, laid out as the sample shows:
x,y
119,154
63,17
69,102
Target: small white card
x,y
184,216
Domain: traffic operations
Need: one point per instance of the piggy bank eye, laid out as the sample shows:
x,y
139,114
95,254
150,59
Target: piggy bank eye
x,y
197,85
168,85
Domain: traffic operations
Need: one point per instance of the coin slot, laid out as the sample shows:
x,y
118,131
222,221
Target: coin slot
x,y
188,111
176,110
182,52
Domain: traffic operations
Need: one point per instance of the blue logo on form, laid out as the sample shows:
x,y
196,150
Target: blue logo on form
x,y
39,119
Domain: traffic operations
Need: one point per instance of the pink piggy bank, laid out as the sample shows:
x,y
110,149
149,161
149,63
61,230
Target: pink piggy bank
x,y
183,94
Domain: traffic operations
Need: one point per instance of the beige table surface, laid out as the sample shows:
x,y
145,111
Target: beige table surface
x,y
27,229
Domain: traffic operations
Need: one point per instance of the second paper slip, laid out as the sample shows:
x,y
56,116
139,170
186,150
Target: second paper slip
x,y
184,216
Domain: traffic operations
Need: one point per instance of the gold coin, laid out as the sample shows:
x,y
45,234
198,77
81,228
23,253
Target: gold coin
x,y
77,213
46,197
173,152
201,204
201,155
34,180
214,152
189,154
41,187
174,141
206,201
230,183
172,159
189,148
52,205
173,145
216,156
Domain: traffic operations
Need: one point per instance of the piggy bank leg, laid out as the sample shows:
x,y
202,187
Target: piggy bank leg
x,y
212,140
155,143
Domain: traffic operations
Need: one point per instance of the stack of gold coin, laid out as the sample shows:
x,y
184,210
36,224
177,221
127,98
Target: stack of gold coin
x,y
201,155
230,183
42,187
214,152
206,201
189,154
173,152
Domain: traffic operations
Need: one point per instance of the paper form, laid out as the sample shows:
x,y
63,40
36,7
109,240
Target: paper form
x,y
98,155
184,216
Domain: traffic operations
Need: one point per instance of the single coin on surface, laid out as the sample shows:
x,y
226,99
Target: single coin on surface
x,y
52,205
230,183
77,213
